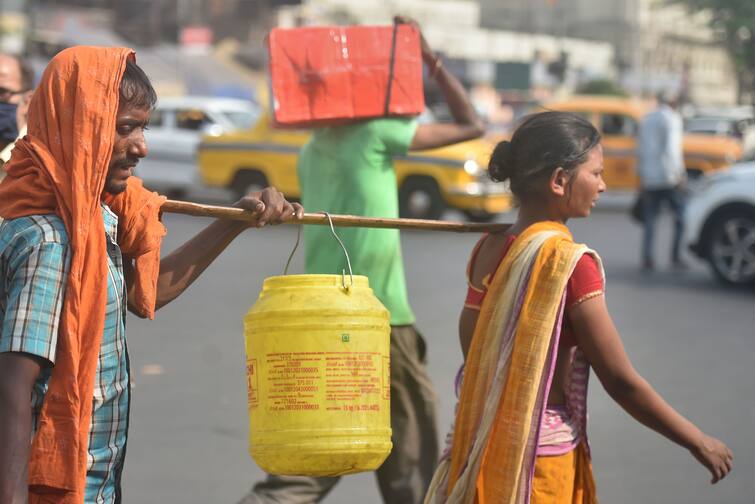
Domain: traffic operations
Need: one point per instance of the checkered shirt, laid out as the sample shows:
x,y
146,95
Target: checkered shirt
x,y
34,262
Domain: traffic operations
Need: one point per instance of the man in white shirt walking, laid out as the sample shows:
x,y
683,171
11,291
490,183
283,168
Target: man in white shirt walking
x,y
663,177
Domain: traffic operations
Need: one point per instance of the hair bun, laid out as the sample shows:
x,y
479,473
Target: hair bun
x,y
501,162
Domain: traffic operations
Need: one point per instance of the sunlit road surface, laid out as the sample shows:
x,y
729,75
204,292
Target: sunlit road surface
x,y
693,339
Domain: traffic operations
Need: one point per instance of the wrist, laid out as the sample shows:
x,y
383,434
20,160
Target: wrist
x,y
697,442
233,226
434,66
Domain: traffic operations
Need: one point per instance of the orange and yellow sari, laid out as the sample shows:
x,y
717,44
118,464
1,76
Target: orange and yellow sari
x,y
507,377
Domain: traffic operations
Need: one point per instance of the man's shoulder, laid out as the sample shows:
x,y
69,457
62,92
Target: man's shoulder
x,y
671,115
33,229
657,119
653,115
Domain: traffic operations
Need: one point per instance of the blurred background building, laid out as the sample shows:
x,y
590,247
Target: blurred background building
x,y
533,49
658,46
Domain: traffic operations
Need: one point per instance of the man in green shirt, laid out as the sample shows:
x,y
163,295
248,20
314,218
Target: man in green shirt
x,y
349,170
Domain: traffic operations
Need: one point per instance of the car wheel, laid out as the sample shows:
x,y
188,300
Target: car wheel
x,y
479,215
420,198
732,248
247,181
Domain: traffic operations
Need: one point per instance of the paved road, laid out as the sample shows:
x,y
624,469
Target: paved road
x,y
691,338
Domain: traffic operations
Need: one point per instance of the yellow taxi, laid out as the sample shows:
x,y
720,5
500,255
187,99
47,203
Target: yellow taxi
x,y
618,119
428,181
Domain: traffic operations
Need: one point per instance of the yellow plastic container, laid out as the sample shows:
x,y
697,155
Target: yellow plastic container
x,y
318,376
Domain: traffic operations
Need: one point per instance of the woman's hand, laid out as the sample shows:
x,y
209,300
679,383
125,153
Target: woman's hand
x,y
270,207
715,455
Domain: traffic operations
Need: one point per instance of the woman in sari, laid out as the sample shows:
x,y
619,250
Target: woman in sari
x,y
535,320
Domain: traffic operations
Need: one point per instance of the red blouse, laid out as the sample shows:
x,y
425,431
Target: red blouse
x,y
585,282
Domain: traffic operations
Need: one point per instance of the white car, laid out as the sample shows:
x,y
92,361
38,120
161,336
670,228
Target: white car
x,y
720,226
176,127
734,122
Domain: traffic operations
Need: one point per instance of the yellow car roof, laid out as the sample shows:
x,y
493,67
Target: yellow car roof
x,y
601,104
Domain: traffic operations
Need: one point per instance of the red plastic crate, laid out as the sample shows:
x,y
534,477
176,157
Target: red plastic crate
x,y
330,75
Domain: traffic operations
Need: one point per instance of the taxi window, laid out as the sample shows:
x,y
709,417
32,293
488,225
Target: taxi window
x,y
191,119
618,125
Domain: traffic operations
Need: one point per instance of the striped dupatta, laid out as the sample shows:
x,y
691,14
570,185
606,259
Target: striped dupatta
x,y
508,373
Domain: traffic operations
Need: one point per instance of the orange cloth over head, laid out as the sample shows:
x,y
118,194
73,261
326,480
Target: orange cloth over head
x,y
60,168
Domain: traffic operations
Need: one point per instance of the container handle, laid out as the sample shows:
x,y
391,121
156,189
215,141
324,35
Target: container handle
x,y
296,246
348,261
332,230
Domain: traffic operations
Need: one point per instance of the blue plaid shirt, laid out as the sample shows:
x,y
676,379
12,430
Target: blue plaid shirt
x,y
34,261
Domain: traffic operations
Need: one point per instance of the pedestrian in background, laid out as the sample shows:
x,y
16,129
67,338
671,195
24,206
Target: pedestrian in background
x,y
80,245
663,177
16,83
349,170
534,322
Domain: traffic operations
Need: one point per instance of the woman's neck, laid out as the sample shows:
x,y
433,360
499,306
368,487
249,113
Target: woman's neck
x,y
534,212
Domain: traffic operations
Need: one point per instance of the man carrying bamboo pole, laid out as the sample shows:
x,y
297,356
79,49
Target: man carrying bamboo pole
x,y
80,243
349,170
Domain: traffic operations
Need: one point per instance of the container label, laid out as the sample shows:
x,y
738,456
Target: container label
x,y
352,381
293,380
252,382
332,381
386,377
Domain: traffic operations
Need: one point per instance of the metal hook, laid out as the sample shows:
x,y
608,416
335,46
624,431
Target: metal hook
x,y
296,245
348,261
332,230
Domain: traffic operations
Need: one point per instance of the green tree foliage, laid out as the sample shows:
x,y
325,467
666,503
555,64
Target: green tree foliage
x,y
734,20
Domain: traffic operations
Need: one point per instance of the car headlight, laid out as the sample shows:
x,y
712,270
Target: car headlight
x,y
471,166
213,130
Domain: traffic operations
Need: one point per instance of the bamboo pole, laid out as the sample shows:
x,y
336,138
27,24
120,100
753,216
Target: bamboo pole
x,y
221,212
